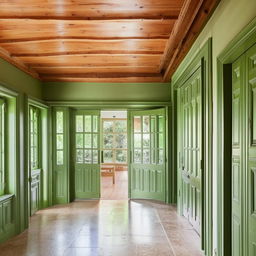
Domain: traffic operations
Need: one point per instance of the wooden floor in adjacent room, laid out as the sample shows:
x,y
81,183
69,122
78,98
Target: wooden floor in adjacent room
x,y
106,228
117,191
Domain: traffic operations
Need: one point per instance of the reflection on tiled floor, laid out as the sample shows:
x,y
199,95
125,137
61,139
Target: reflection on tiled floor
x,y
117,191
106,228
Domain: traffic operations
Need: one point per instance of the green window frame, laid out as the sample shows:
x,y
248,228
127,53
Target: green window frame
x,y
34,137
59,137
114,146
2,146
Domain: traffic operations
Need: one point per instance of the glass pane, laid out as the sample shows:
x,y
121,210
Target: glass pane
x,y
35,126
79,156
145,123
108,126
146,141
146,156
137,140
121,156
79,124
87,156
152,138
137,124
137,156
161,123
60,141
87,140
121,141
95,156
108,141
59,121
87,123
153,123
32,139
95,141
161,156
79,140
153,156
59,158
161,140
95,123
108,156
120,126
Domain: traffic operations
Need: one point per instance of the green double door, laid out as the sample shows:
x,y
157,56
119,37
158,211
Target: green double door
x,y
190,136
244,154
146,140
147,168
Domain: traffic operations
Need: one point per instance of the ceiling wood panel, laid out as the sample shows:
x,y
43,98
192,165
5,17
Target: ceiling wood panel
x,y
91,9
100,41
99,60
97,70
28,29
78,46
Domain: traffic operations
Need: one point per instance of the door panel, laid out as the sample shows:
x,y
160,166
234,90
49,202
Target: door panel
x,y
87,157
147,169
237,161
251,79
191,134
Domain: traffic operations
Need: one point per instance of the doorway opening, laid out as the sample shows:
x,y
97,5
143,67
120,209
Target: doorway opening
x,y
114,150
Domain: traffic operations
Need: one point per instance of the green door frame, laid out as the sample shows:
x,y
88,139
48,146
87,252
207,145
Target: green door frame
x,y
240,44
194,60
129,105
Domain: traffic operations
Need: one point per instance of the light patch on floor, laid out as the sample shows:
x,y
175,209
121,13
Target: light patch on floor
x,y
117,191
106,228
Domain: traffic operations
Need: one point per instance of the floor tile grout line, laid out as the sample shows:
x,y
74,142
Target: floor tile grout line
x,y
169,242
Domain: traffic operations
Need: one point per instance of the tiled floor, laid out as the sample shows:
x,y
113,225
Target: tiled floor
x,y
106,228
117,191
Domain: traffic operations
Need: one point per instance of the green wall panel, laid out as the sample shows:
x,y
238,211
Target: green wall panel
x,y
67,91
18,80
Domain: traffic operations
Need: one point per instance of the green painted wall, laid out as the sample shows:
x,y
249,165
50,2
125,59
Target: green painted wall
x,y
18,80
230,17
106,91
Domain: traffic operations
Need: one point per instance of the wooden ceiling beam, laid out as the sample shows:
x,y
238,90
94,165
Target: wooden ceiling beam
x,y
47,38
133,52
180,29
17,63
102,75
203,15
104,79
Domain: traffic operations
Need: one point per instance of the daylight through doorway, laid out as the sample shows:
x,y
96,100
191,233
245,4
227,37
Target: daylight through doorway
x,y
114,148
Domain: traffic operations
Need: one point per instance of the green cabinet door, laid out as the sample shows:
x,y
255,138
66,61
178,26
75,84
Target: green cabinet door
x,y
237,159
191,155
147,168
86,154
251,173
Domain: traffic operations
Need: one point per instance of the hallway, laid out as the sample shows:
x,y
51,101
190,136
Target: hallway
x,y
106,228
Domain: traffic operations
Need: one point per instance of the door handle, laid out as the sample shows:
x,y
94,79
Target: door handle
x,y
101,157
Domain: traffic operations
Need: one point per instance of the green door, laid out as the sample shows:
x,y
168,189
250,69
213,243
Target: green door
x,y
147,168
191,155
87,157
251,142
237,160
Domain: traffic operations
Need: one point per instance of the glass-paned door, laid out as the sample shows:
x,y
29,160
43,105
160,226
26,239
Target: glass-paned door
x,y
147,169
86,151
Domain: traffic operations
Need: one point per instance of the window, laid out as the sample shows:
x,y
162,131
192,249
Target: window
x,y
59,138
34,137
114,141
2,146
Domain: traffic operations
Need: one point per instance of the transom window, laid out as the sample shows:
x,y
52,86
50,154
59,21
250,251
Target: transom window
x,y
34,137
114,140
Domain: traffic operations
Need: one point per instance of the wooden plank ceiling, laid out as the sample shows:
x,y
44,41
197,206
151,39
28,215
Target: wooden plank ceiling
x,y
100,40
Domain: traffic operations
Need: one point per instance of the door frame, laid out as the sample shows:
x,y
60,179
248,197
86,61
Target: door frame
x,y
71,106
240,44
195,59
